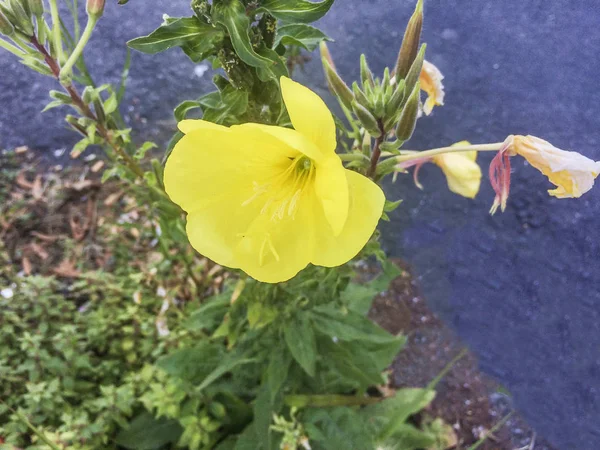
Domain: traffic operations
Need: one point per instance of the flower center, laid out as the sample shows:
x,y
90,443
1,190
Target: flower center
x,y
281,194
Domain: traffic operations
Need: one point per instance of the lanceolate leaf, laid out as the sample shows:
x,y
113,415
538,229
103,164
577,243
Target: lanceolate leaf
x,y
301,35
297,10
300,339
232,15
197,37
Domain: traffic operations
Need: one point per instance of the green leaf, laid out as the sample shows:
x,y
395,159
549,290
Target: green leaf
x,y
183,108
228,363
296,10
300,339
193,364
197,38
225,107
391,206
263,414
352,361
337,428
232,15
53,104
348,327
147,433
387,417
301,35
110,105
359,296
124,76
278,369
248,440
210,314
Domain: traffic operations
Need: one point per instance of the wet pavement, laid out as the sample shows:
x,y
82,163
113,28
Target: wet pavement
x,y
521,288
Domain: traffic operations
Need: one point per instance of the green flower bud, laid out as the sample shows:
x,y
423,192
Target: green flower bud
x,y
367,119
366,76
337,85
360,96
385,83
6,28
415,70
95,7
410,43
36,7
21,17
393,107
408,118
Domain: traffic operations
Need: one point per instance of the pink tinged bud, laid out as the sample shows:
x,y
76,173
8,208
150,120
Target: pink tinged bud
x,y
95,7
500,177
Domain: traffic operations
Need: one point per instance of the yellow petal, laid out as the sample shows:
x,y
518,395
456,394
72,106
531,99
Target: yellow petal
x,y
462,172
274,252
331,187
431,82
291,138
309,114
209,162
366,205
188,125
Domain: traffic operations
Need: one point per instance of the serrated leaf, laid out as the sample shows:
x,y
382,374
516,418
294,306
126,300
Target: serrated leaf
x,y
301,35
198,37
228,363
300,339
296,10
147,433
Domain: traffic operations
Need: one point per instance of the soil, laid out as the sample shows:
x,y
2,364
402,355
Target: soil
x,y
471,402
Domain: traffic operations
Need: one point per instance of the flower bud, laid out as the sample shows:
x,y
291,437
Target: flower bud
x,y
415,70
408,118
6,28
410,43
392,107
21,19
337,85
360,96
366,76
325,54
95,8
366,119
36,7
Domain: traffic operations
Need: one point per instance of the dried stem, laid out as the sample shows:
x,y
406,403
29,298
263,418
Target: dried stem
x,y
86,111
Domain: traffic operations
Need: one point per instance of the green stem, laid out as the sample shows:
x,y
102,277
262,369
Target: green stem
x,y
56,36
388,165
66,70
320,401
11,48
39,433
348,157
455,149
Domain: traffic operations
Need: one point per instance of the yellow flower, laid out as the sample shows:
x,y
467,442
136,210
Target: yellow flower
x,y
270,200
431,82
572,173
462,172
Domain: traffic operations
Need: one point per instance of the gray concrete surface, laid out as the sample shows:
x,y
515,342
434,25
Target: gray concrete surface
x,y
521,288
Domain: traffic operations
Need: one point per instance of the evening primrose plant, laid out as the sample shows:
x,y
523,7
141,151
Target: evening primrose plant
x,y
269,184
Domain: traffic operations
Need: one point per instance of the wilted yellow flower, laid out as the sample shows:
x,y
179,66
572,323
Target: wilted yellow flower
x,y
431,82
270,200
462,172
571,172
